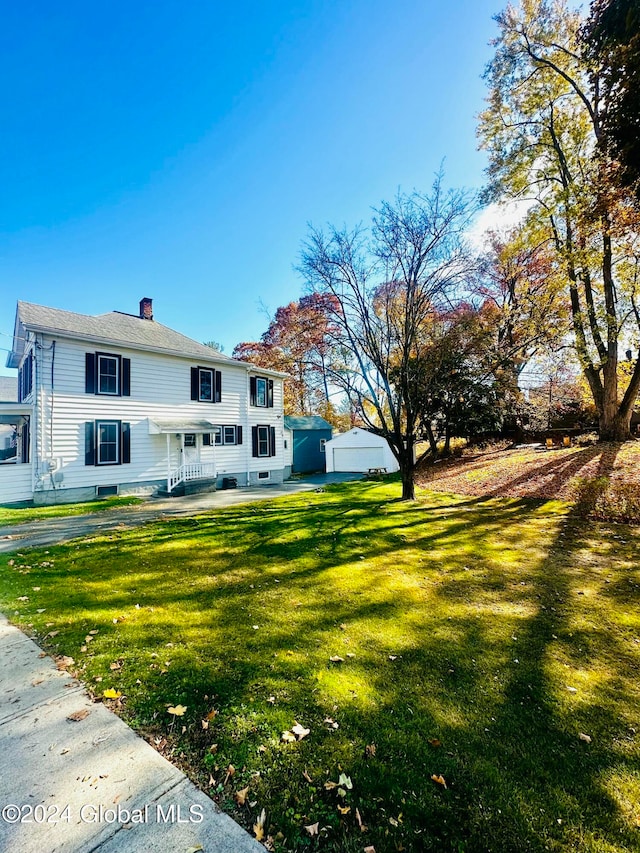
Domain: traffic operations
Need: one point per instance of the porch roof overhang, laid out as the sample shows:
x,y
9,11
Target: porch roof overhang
x,y
10,411
158,426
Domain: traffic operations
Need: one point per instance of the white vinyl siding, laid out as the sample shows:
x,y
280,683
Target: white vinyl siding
x,y
161,389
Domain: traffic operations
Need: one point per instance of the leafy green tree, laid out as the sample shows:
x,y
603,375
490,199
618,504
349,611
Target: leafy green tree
x,y
542,129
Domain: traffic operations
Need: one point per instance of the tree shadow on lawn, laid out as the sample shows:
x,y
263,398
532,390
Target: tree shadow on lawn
x,y
429,601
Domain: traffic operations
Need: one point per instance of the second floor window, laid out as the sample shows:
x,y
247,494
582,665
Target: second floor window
x,y
206,385
107,373
261,391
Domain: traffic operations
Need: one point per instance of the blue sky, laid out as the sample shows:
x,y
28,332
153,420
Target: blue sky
x,y
178,150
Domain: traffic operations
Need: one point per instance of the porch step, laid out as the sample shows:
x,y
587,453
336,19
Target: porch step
x,y
190,487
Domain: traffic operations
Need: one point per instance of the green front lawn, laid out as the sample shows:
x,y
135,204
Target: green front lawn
x,y
20,514
487,695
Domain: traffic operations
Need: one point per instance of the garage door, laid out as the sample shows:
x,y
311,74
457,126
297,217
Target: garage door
x,y
357,458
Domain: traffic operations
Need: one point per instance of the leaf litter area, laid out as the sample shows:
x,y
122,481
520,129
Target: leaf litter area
x,y
533,471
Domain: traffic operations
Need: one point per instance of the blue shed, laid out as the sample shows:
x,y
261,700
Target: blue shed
x,y
305,438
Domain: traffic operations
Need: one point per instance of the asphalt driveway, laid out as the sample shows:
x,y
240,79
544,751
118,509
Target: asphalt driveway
x,y
52,531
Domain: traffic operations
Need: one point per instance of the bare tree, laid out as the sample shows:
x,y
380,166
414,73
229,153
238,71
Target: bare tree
x,y
388,282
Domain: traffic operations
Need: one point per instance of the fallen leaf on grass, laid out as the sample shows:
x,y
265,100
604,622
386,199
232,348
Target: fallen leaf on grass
x,y
434,742
307,777
370,849
363,827
440,780
329,786
241,796
345,781
344,809
572,689
79,715
331,723
584,737
258,826
110,693
336,659
288,737
393,657
177,711
313,828
117,664
63,662
230,772
300,731
370,750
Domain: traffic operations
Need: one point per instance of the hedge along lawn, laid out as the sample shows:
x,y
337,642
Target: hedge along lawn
x,y
487,697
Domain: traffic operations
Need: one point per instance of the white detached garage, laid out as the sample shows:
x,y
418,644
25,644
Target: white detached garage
x,y
359,450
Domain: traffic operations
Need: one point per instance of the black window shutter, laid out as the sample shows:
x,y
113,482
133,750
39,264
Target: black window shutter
x,y
206,439
31,361
126,377
90,373
218,394
125,437
20,385
254,441
252,390
272,441
270,393
195,383
89,443
238,435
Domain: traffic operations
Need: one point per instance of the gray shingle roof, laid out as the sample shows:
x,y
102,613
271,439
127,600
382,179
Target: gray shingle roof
x,y
305,422
115,327
8,389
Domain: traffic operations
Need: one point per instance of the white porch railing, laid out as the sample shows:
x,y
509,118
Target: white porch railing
x,y
190,471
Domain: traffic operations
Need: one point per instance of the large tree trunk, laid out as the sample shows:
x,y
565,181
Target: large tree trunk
x,y
407,471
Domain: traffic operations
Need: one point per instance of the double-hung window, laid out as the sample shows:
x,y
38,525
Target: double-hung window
x,y
107,373
228,434
107,442
206,385
261,392
263,440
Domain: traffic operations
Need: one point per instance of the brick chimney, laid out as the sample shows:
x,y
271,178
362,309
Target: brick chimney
x,y
146,308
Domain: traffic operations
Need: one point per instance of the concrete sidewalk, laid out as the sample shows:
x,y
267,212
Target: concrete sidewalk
x,y
89,785
51,531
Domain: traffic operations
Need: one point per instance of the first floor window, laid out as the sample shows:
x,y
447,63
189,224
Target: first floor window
x,y
108,440
107,443
231,434
264,440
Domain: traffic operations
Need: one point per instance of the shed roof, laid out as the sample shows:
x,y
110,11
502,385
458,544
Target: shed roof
x,y
295,422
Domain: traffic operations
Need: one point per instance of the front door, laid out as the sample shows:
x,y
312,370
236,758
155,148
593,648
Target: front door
x,y
191,451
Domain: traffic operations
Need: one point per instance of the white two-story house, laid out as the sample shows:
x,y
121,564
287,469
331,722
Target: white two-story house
x,y
120,404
